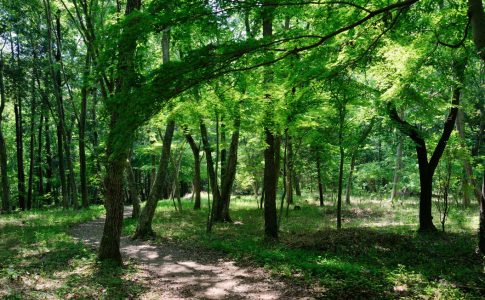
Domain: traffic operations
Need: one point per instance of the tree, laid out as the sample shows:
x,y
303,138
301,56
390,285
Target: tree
x,y
427,168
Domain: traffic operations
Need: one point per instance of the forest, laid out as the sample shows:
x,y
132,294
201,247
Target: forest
x,y
242,149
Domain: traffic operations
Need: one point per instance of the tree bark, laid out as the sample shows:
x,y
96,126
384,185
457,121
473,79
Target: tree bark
x,y
196,182
144,228
427,169
82,135
481,242
397,170
117,150
477,15
133,189
469,180
270,164
230,172
289,171
349,179
31,148
211,173
319,178
3,147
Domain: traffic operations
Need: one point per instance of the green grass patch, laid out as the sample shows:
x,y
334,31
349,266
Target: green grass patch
x,y
377,254
39,259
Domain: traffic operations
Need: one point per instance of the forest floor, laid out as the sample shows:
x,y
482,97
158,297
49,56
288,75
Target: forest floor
x,y
51,254
170,271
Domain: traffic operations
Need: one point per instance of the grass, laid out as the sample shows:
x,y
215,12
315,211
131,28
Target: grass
x,y
39,259
377,254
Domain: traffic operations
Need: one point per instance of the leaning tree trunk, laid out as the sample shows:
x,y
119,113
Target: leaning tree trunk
x,y
144,228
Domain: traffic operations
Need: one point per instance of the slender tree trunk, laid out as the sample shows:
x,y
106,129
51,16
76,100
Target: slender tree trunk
x,y
62,168
289,171
397,170
196,182
31,148
211,173
82,135
144,228
296,180
469,180
133,189
270,167
230,172
342,112
349,180
481,242
48,152
40,172
340,187
319,178
3,147
20,153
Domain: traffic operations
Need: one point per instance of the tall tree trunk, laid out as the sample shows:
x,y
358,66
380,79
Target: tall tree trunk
x,y
340,187
481,242
342,112
40,172
20,152
3,147
211,173
82,134
230,172
475,11
48,152
31,148
62,168
270,168
144,228
196,182
397,170
319,179
469,180
289,171
296,181
349,179
117,150
133,189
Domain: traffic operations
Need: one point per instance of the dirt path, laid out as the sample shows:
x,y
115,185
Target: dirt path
x,y
173,272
